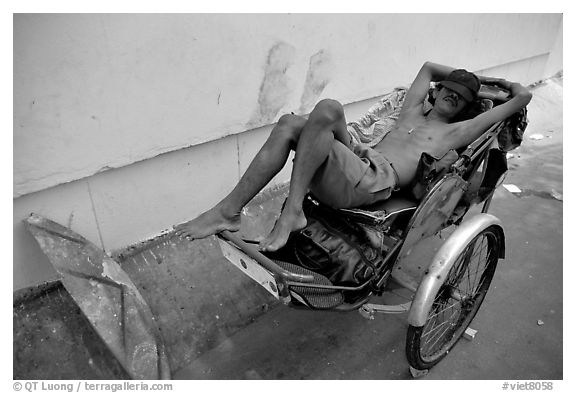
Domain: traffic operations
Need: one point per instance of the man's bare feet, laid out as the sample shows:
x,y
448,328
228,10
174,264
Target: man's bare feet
x,y
209,223
287,222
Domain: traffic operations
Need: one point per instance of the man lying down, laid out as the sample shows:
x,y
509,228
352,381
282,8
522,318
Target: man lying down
x,y
346,175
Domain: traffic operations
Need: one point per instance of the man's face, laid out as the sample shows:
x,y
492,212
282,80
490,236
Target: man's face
x,y
449,103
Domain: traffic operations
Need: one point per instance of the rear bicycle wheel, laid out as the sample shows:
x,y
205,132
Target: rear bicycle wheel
x,y
456,302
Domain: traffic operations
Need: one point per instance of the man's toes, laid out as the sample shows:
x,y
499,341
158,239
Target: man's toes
x,y
263,246
183,235
270,245
266,245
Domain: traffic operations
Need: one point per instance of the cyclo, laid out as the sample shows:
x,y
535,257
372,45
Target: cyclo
x,y
447,294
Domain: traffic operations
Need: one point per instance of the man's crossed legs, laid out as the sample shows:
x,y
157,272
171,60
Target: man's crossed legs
x,y
312,139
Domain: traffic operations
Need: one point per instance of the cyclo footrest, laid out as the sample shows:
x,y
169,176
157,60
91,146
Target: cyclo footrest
x,y
303,292
317,298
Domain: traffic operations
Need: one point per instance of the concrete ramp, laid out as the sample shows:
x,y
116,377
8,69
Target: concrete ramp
x,y
107,296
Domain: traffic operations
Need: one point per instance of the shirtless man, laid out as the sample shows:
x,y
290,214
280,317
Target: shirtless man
x,y
344,175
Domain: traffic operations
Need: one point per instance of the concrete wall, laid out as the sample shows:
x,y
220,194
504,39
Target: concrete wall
x,y
127,124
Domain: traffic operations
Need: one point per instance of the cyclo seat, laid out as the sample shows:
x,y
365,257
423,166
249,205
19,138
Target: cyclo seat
x,y
382,212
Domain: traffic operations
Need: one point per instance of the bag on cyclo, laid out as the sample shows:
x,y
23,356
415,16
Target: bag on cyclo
x,y
335,248
512,133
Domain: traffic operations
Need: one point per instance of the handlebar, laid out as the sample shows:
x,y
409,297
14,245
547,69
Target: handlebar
x,y
477,147
253,252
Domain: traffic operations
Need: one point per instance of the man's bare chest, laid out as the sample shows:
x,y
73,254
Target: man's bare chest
x,y
419,136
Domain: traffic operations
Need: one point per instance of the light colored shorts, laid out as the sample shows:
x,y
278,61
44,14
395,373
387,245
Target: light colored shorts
x,y
353,178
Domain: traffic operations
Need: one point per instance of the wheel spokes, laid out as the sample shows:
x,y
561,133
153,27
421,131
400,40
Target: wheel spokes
x,y
446,325
464,287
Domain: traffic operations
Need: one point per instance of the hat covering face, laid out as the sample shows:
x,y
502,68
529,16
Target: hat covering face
x,y
464,83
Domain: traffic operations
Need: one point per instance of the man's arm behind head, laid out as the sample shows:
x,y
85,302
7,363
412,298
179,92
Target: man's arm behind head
x,y
469,130
429,72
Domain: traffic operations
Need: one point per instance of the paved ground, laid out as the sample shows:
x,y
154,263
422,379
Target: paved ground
x,y
54,340
510,344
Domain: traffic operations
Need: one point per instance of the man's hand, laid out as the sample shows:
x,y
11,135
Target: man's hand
x,y
490,81
513,87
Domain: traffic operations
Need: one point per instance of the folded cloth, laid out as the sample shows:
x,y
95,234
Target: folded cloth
x,y
373,126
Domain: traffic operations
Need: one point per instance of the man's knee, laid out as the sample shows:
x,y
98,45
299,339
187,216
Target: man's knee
x,y
288,120
288,127
328,110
